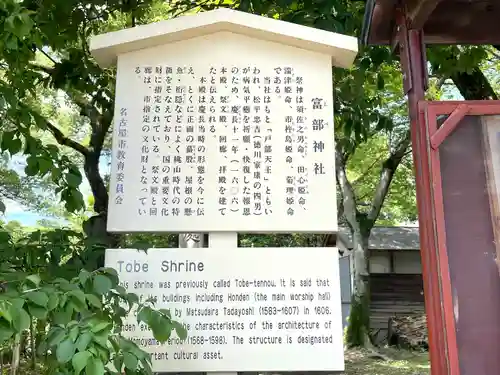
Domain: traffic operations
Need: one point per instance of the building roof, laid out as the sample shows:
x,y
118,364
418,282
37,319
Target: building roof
x,y
443,21
106,47
386,238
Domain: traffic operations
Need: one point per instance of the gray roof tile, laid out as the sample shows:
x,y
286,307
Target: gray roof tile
x,y
386,238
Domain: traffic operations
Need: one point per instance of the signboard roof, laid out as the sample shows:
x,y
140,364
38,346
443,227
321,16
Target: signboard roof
x,y
106,47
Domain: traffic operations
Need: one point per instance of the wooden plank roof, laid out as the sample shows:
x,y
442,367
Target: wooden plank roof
x,y
443,21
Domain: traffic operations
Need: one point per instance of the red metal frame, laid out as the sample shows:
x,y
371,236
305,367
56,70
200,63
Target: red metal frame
x,y
435,256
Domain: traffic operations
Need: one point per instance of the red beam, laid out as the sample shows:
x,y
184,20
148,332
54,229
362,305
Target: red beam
x,y
414,72
449,125
419,13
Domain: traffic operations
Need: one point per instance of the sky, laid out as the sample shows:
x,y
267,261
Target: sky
x,y
15,211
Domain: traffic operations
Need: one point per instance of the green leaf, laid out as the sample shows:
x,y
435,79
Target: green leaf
x,y
38,298
161,327
118,362
166,312
53,301
5,311
112,274
34,279
94,366
6,332
83,276
74,180
144,315
79,361
75,305
83,341
20,320
94,301
114,343
146,363
103,353
63,316
132,298
7,138
102,284
15,146
380,81
101,339
130,361
79,295
17,303
73,333
44,165
2,207
55,336
56,175
37,311
100,327
22,24
31,168
121,290
65,351
180,330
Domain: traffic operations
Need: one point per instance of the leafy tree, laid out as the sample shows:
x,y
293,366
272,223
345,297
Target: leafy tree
x,y
73,317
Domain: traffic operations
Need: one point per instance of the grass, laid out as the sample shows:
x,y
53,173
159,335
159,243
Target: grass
x,y
402,362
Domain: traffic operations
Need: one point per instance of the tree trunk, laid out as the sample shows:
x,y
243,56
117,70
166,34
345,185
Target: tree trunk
x,y
361,224
96,182
358,331
16,354
95,227
474,85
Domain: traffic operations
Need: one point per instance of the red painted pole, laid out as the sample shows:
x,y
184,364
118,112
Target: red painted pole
x,y
413,62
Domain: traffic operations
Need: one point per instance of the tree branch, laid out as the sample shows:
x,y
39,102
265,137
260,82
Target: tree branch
x,y
86,108
474,85
366,172
386,174
44,123
47,55
350,210
59,136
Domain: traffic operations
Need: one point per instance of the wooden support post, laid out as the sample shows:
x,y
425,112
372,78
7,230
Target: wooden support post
x,y
413,64
223,240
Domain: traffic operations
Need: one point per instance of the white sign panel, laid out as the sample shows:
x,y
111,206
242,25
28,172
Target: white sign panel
x,y
223,133
246,309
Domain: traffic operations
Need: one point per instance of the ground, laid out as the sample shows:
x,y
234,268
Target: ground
x,y
402,362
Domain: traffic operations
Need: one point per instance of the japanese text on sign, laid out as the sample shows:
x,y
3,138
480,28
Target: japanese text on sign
x,y
233,144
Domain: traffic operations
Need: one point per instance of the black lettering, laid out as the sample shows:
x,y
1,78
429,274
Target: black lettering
x,y
212,355
134,266
186,266
265,340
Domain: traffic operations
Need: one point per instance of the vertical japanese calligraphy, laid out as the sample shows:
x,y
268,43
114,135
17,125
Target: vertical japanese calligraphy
x,y
120,156
226,141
